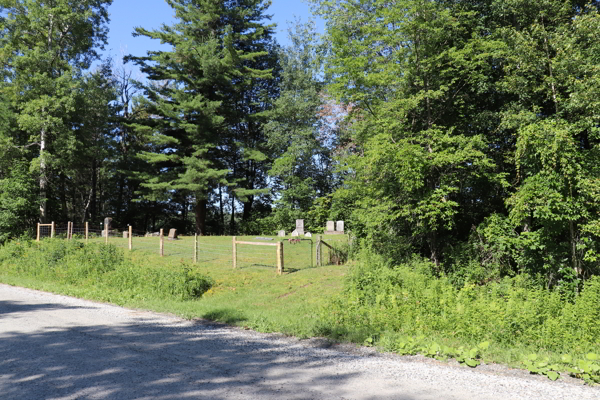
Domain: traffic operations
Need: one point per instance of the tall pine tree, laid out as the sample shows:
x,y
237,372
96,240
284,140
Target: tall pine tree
x,y
193,97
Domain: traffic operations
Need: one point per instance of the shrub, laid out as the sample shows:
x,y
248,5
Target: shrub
x,y
409,299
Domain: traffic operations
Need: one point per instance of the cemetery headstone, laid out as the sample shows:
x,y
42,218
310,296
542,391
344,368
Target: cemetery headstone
x,y
295,233
339,226
330,226
300,226
125,234
281,233
172,234
307,234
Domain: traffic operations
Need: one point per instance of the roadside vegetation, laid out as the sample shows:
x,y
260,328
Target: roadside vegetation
x,y
404,309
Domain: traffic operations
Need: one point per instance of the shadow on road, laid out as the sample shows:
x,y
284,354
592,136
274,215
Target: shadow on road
x,y
12,307
153,360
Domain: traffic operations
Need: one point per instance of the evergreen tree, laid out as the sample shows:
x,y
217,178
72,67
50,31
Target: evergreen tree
x,y
192,99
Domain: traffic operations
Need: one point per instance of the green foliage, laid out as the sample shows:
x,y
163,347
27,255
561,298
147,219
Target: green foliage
x,y
18,201
102,269
408,299
297,132
542,367
45,47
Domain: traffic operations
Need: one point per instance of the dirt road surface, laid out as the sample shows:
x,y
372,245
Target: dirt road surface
x,y
57,347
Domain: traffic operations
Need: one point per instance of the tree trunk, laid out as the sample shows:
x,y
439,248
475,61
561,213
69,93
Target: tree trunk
x,y
200,211
248,208
43,178
120,196
63,198
221,211
93,204
232,222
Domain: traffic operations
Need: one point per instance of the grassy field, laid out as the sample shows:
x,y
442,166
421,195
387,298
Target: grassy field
x,y
218,250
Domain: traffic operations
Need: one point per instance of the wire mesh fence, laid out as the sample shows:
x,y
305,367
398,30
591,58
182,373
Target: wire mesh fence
x,y
298,253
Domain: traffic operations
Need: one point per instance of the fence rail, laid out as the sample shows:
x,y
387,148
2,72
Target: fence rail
x,y
240,252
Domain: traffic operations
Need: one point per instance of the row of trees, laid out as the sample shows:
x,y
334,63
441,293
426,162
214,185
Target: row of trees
x,y
206,143
465,131
474,132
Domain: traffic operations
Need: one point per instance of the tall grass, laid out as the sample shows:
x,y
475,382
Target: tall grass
x,y
380,300
100,268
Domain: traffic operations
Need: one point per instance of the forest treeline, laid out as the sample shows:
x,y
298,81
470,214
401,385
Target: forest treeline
x,y
465,132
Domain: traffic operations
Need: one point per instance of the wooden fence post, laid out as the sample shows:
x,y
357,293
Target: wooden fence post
x,y
37,239
68,229
279,258
106,234
71,231
162,244
195,248
234,253
130,237
87,229
52,229
318,250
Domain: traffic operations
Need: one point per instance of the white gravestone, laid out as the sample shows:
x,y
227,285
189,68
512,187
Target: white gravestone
x,y
330,226
300,226
295,233
281,233
307,234
339,226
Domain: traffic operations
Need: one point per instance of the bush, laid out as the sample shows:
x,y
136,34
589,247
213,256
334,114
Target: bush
x,y
408,299
101,268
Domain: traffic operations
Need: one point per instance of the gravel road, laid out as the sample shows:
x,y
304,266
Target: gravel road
x,y
57,347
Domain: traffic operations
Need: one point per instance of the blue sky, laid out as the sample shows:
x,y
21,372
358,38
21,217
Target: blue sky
x,y
125,15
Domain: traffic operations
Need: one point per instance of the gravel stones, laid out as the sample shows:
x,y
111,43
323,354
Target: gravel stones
x,y
58,347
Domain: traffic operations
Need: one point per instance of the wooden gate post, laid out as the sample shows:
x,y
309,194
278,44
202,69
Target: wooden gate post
x,y
279,258
162,244
37,239
52,229
195,248
318,250
234,253
105,233
87,229
130,239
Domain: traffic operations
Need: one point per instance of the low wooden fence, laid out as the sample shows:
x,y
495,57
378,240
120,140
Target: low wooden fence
x,y
278,255
212,250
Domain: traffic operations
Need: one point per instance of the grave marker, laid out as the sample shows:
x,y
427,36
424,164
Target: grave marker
x,y
300,226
